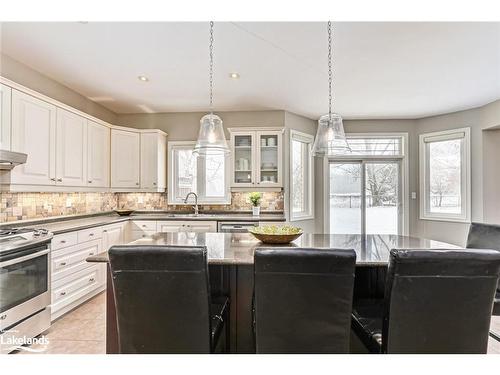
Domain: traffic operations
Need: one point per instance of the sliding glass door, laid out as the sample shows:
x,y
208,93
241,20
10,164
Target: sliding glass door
x,y
365,197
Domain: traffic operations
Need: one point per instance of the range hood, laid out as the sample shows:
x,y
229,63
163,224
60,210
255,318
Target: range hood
x,y
9,159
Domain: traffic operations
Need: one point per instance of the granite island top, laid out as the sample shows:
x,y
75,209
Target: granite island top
x,y
69,224
238,248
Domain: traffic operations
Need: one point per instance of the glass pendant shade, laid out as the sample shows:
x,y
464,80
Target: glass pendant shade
x,y
211,137
330,137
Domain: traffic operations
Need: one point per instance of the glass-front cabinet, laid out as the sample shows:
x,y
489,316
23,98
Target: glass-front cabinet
x,y
257,157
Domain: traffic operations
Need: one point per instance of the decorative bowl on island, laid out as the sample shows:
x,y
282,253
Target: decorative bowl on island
x,y
276,234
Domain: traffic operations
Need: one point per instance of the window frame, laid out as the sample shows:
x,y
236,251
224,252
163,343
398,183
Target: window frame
x,y
172,176
404,171
465,174
308,139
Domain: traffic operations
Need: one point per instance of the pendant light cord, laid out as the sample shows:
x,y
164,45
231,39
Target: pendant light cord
x,y
330,71
211,74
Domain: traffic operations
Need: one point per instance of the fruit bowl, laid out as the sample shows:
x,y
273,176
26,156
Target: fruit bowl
x,y
276,234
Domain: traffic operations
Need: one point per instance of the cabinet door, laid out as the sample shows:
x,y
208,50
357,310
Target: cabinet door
x,y
5,124
170,227
149,161
34,133
98,155
125,156
243,151
269,155
71,149
112,235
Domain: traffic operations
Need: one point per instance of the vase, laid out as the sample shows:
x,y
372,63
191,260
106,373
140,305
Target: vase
x,y
256,210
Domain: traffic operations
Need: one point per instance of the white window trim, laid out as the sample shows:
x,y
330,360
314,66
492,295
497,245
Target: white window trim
x,y
405,175
466,177
306,138
172,145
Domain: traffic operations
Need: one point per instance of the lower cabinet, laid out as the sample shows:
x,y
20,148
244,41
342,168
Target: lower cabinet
x,y
113,235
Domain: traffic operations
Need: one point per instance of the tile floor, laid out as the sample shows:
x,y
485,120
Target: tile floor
x,y
83,331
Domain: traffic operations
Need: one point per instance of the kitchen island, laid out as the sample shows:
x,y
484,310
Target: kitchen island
x,y
230,258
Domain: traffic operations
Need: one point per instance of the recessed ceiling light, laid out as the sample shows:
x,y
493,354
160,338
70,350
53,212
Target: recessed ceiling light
x,y
234,75
143,78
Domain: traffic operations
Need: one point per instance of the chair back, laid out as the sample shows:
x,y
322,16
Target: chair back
x,y
162,299
303,300
439,301
484,236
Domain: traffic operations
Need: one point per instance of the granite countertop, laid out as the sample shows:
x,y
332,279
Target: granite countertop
x,y
68,224
238,248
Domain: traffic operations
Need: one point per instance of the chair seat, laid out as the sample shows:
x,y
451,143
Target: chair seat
x,y
218,309
367,322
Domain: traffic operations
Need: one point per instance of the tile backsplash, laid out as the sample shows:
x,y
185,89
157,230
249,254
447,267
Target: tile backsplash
x,y
25,206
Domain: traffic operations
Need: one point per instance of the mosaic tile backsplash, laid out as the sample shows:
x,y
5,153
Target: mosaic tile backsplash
x,y
25,206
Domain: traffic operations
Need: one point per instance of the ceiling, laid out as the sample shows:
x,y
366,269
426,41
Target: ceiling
x,y
381,70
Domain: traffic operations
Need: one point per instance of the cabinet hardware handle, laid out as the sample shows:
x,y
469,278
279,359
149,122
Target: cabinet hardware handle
x,y
137,183
154,183
91,234
52,179
91,279
91,253
89,181
104,231
62,293
62,263
63,241
3,317
59,179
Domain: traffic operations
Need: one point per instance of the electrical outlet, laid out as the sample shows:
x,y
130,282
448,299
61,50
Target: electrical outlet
x,y
140,199
68,202
413,195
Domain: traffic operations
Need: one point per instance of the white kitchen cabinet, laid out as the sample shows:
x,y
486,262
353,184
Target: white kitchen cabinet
x,y
125,159
257,157
153,161
187,226
98,155
34,133
71,149
5,117
112,235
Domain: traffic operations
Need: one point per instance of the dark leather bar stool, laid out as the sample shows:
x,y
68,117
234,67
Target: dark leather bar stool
x,y
486,236
436,301
303,300
162,298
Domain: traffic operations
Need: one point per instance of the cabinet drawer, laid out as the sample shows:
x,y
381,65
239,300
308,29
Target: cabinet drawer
x,y
89,234
136,234
67,261
145,225
64,240
75,286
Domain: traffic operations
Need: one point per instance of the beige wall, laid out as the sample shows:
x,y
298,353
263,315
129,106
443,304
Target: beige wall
x,y
24,75
184,126
491,176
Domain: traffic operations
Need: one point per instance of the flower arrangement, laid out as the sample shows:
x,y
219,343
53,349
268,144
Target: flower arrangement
x,y
255,198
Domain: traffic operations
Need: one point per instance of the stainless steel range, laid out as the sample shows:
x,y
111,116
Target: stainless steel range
x,y
24,283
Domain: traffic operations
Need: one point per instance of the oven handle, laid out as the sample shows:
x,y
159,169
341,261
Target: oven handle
x,y
24,258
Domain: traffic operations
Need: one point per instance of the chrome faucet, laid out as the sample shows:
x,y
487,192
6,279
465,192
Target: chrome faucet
x,y
195,201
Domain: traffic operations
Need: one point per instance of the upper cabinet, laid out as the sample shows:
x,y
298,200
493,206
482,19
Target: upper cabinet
x,y
34,133
98,155
257,157
71,149
153,161
125,159
5,115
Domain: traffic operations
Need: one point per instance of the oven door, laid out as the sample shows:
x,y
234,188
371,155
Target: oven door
x,y
24,284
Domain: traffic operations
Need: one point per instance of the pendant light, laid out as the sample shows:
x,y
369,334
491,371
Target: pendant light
x,y
330,137
211,138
